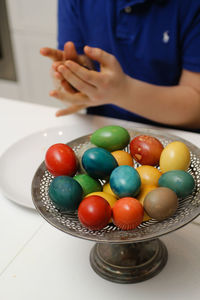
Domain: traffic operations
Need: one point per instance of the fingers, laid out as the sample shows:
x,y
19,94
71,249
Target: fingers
x,y
70,51
103,57
76,82
58,76
56,64
68,88
54,54
88,76
86,62
60,81
76,98
70,110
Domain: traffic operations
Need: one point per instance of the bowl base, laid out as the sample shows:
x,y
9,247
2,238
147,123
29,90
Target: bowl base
x,y
128,263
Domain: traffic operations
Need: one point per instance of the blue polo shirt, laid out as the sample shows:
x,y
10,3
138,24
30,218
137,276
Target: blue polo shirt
x,y
153,40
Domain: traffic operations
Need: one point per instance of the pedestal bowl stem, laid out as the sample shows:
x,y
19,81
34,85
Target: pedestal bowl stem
x,y
128,263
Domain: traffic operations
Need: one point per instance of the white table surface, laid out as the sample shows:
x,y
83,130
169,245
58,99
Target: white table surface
x,y
40,262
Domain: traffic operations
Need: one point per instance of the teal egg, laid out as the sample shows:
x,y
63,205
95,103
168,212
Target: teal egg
x,y
80,152
98,163
66,193
111,137
88,184
125,181
181,182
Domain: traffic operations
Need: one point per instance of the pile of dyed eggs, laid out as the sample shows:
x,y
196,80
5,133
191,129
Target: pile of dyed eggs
x,y
102,181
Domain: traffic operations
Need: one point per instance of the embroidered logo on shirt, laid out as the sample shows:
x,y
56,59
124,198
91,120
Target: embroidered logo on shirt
x,y
166,37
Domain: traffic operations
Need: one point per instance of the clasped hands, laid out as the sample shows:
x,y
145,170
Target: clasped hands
x,y
82,86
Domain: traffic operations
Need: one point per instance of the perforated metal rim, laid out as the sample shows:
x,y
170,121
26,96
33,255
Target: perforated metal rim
x,y
189,207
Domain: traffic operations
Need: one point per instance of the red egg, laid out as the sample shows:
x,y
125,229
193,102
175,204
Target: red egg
x,y
94,212
60,160
146,150
128,213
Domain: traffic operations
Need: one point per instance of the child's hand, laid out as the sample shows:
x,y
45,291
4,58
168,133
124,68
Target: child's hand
x,y
95,88
58,57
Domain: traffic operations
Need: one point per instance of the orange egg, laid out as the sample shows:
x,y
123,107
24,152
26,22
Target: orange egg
x,y
123,158
143,192
149,175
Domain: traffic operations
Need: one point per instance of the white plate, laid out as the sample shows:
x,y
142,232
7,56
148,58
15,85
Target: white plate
x,y
19,163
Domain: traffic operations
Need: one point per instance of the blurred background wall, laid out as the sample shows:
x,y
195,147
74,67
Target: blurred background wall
x,y
32,25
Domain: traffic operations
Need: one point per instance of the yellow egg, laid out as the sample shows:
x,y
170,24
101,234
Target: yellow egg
x,y
108,197
175,156
149,175
143,192
107,189
123,158
145,217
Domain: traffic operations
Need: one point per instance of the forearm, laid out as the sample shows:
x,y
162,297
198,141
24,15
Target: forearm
x,y
177,105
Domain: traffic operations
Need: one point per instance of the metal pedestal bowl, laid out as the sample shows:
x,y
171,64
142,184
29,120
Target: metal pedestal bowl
x,y
123,256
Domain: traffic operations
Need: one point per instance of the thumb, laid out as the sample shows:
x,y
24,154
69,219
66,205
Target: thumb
x,y
103,57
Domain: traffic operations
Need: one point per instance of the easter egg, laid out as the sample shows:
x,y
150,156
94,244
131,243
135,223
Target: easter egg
x,y
125,181
80,152
108,197
123,158
94,212
146,149
145,189
107,189
175,156
127,213
161,203
66,193
98,162
111,137
88,183
181,182
149,175
60,159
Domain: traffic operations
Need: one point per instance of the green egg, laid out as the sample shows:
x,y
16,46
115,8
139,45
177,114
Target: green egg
x,y
65,193
88,184
111,137
181,182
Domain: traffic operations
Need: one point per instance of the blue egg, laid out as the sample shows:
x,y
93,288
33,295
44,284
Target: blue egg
x,y
66,193
125,181
98,162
